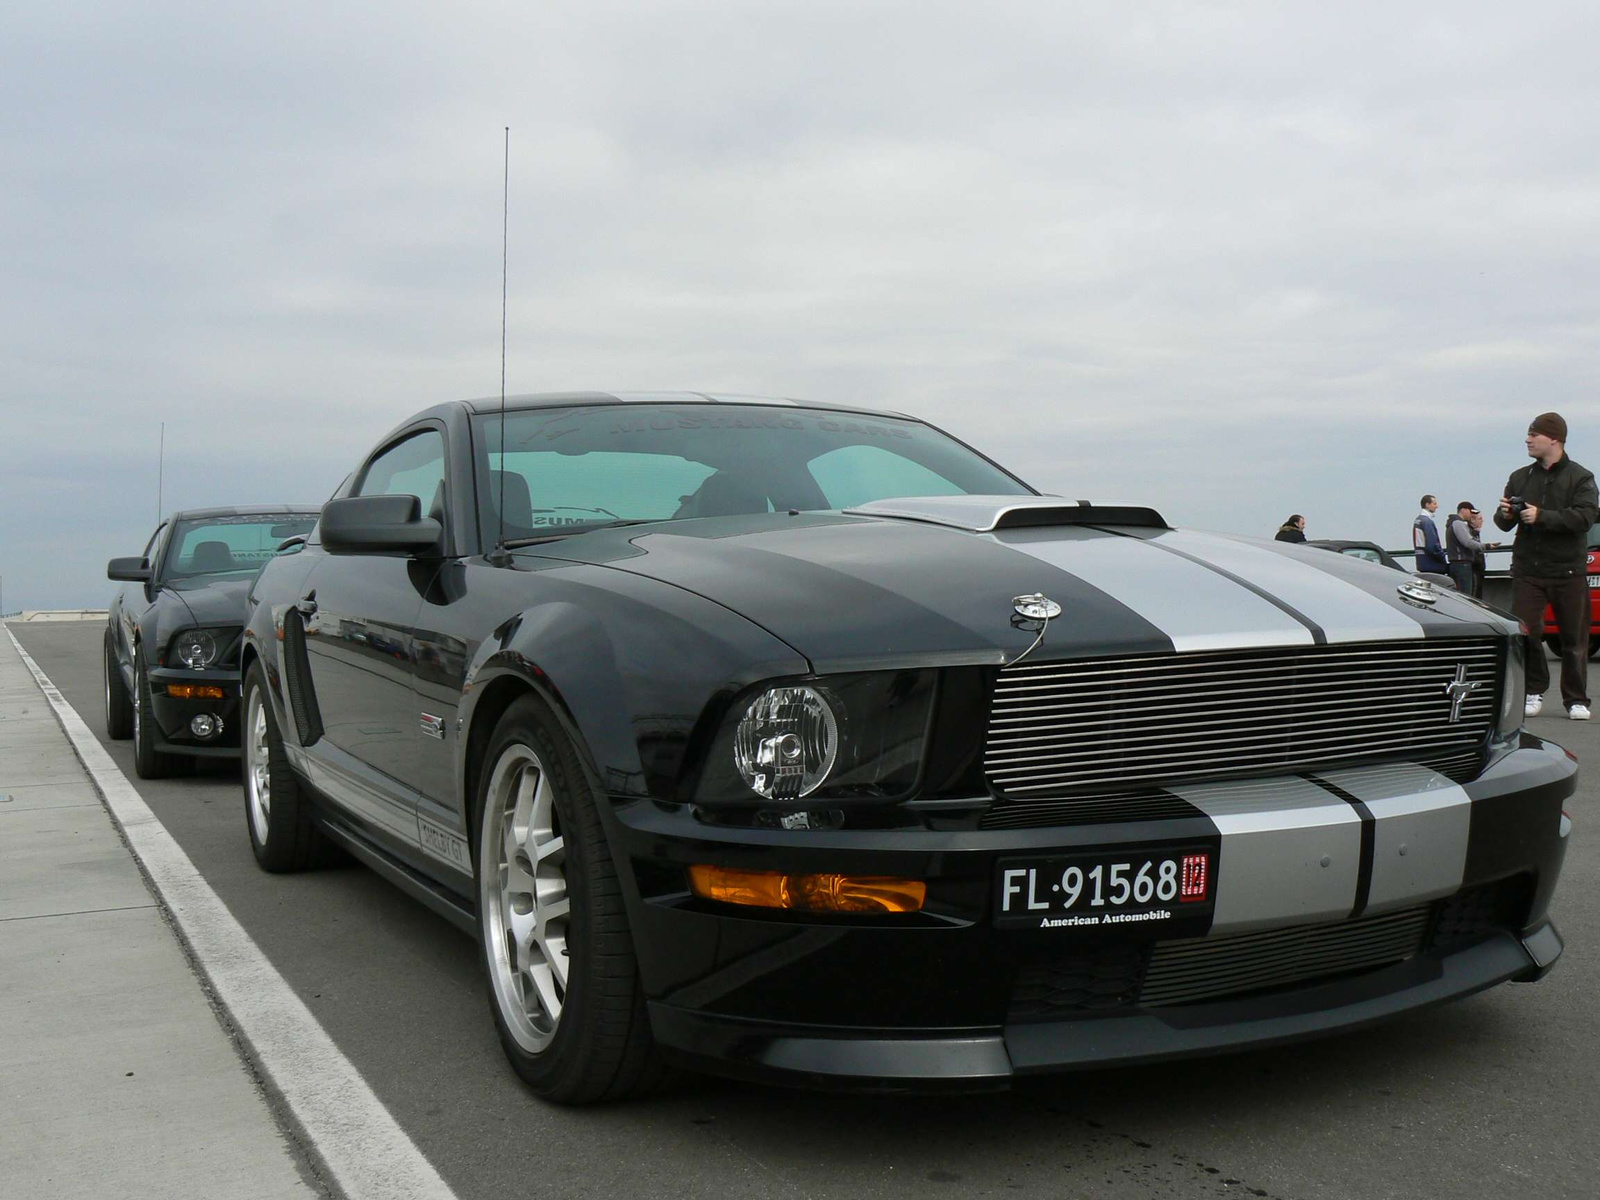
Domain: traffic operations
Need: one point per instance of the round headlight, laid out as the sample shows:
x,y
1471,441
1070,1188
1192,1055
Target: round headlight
x,y
786,743
196,649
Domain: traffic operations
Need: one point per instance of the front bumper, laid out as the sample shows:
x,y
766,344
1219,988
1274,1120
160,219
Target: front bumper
x,y
172,715
943,999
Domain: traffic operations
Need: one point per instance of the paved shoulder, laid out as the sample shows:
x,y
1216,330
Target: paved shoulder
x,y
118,1078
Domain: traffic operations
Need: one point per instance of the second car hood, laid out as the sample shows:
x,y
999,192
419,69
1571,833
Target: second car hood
x,y
212,601
855,593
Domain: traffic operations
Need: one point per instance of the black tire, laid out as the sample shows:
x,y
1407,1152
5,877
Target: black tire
x,y
598,1045
1552,643
277,805
119,704
148,762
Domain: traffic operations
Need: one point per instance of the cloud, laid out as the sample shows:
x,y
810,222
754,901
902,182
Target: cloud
x,y
1239,259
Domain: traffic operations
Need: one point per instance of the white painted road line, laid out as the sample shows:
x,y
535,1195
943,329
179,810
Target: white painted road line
x,y
364,1150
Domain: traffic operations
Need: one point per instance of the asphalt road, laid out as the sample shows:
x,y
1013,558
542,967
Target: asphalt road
x,y
1490,1096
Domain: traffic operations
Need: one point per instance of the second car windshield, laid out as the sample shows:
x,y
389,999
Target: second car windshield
x,y
562,469
226,545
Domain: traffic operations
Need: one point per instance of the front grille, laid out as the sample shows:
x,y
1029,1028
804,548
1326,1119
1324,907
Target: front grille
x,y
1194,969
1075,728
1480,912
1148,804
1056,986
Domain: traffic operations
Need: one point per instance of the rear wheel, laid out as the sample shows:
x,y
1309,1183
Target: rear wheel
x,y
277,807
557,951
1552,643
119,705
148,762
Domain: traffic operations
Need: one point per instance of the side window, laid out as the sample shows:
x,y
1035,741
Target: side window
x,y
414,467
1370,556
859,474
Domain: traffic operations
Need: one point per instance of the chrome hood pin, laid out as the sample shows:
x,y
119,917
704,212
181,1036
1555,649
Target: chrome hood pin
x,y
1035,607
1419,589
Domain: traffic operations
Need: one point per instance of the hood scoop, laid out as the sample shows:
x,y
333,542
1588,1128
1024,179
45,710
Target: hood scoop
x,y
986,514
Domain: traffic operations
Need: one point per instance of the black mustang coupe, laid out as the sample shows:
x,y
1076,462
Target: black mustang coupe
x,y
807,744
172,633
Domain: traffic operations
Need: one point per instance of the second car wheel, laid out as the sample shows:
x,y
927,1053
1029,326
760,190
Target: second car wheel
x,y
119,704
148,762
563,978
283,834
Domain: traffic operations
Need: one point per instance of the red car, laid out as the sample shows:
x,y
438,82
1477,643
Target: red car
x,y
1552,635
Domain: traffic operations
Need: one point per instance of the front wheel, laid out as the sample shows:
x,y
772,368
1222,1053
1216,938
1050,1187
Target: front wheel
x,y
277,809
119,704
557,951
148,762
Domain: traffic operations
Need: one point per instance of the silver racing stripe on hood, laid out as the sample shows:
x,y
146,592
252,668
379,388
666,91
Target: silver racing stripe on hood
x,y
1341,610
1198,608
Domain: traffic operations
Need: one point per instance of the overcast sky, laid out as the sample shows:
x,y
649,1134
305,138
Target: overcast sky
x,y
1235,260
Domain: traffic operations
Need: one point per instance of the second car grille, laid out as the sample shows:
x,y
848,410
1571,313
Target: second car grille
x,y
1074,728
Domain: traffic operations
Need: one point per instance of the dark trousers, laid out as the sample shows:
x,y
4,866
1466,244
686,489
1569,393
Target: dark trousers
x,y
1569,597
1461,576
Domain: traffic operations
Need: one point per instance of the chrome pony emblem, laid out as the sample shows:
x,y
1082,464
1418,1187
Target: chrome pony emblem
x,y
1037,607
1419,589
1458,689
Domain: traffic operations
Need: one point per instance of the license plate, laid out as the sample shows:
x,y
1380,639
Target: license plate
x,y
1110,889
1594,581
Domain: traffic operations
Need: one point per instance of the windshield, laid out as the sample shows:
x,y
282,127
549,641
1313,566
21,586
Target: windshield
x,y
566,469
229,545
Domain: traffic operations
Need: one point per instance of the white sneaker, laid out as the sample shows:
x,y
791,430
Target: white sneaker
x,y
1533,706
1579,712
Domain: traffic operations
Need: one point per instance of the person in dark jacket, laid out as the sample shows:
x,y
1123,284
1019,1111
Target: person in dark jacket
x,y
1463,549
1292,530
1551,503
1425,539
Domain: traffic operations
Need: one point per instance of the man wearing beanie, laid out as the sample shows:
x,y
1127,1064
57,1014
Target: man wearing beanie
x,y
1551,503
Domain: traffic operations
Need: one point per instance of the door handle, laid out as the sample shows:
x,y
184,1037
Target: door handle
x,y
307,605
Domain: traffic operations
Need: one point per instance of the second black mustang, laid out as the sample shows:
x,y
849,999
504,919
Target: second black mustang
x,y
172,632
808,744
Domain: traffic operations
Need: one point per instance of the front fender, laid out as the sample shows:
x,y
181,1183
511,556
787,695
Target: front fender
x,y
641,669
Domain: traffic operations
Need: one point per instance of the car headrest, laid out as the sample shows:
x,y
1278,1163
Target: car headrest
x,y
725,495
511,489
212,556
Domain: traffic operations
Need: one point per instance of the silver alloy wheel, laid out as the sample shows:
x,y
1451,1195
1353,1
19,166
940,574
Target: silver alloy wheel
x,y
522,888
257,766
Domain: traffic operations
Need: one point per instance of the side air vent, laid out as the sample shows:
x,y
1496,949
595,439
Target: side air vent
x,y
297,680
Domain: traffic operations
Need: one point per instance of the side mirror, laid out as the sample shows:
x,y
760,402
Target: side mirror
x,y
378,525
128,570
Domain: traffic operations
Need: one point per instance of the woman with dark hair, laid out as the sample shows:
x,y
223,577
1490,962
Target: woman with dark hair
x,y
1292,530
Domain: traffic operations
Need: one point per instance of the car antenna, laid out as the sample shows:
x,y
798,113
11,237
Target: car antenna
x,y
161,456
500,557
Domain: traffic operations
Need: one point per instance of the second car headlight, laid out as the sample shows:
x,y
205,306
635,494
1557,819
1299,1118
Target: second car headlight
x,y
195,648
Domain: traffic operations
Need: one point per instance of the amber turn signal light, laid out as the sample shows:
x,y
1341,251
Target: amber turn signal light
x,y
808,893
194,691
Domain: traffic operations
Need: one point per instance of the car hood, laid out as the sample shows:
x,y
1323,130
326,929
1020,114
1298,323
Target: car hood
x,y
211,601
856,593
